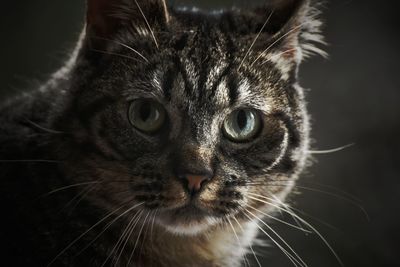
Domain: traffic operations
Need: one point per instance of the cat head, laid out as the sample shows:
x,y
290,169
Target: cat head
x,y
194,116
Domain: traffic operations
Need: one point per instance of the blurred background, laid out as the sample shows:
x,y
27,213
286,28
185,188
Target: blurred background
x,y
354,97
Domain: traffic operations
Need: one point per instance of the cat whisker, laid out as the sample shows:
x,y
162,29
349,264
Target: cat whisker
x,y
125,173
287,210
114,54
94,226
278,55
330,151
79,197
349,199
120,239
297,221
152,229
147,23
279,204
107,226
329,187
287,254
152,224
124,238
178,31
123,45
251,247
131,173
126,235
338,190
299,226
43,128
322,222
276,41
138,238
315,231
255,39
70,186
82,184
238,240
266,200
281,221
344,198
292,210
29,161
145,232
340,193
276,234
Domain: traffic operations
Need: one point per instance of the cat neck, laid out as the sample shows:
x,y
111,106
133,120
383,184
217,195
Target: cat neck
x,y
219,246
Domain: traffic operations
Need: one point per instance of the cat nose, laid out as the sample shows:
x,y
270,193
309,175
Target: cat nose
x,y
195,182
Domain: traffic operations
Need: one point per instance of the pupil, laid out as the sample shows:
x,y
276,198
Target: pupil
x,y
241,119
144,112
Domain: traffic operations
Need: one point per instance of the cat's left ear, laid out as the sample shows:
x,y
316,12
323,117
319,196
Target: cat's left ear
x,y
106,18
289,29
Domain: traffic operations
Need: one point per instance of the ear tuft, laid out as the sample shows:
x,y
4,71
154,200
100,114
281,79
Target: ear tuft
x,y
290,28
302,28
310,37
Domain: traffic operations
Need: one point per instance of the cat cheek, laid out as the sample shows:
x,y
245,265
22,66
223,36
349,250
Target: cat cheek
x,y
209,192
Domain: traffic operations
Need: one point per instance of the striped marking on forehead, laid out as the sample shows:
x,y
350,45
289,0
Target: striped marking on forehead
x,y
191,71
214,84
204,60
199,84
255,96
221,94
225,90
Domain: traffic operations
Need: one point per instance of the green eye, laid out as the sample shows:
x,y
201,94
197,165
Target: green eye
x,y
242,125
146,115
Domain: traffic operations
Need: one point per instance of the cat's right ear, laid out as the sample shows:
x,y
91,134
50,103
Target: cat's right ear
x,y
106,18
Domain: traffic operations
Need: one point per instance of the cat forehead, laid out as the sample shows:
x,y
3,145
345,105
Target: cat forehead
x,y
207,75
210,89
199,62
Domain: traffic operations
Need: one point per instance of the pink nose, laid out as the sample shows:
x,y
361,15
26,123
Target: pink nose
x,y
195,182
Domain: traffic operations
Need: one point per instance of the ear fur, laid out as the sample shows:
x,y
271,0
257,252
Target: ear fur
x,y
303,29
106,18
288,25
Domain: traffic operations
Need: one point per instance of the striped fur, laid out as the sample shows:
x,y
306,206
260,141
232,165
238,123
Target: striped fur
x,y
200,66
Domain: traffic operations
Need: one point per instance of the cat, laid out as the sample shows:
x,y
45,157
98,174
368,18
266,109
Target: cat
x,y
165,139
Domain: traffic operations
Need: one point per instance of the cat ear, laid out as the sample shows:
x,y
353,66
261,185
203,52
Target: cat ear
x,y
290,28
106,18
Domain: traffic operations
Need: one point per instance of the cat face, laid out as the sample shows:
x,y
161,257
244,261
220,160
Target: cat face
x,y
192,116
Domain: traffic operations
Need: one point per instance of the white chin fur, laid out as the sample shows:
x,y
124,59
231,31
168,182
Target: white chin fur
x,y
191,229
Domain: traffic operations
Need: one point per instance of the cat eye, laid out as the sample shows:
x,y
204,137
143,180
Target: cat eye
x,y
242,125
147,115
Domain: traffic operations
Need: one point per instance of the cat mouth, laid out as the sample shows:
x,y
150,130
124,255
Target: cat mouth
x,y
189,212
188,220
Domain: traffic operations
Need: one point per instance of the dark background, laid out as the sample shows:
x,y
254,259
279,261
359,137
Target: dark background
x,y
354,98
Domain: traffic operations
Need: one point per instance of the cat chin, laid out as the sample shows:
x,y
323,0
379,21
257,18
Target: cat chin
x,y
191,228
